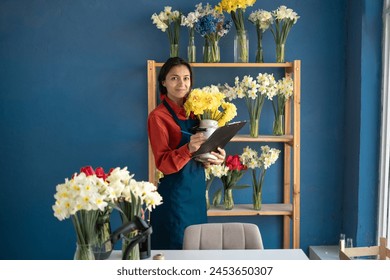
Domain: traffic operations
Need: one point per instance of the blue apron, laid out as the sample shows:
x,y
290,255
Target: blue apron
x,y
183,195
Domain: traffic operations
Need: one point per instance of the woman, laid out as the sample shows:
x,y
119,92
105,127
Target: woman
x,y
172,139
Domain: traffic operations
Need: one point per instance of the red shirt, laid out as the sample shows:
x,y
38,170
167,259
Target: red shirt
x,y
164,136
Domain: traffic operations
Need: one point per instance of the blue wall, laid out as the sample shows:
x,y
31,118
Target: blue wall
x,y
362,112
73,92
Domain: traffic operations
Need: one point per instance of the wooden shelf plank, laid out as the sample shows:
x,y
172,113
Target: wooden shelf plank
x,y
263,138
247,210
263,65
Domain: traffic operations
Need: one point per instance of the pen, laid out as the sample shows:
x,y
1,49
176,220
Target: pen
x,y
185,132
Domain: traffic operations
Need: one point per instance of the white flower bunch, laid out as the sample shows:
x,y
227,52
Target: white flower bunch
x,y
268,157
284,19
206,10
165,18
216,170
250,158
263,85
190,19
82,192
285,88
284,13
123,186
267,84
148,194
118,180
262,19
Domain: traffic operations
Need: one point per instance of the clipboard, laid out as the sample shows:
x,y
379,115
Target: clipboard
x,y
220,137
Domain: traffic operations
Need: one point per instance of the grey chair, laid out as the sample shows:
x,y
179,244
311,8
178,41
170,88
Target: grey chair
x,y
222,236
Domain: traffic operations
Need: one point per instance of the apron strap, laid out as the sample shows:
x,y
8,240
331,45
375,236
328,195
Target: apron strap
x,y
171,111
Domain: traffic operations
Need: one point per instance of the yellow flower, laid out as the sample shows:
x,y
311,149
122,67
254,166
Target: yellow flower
x,y
233,5
205,103
229,112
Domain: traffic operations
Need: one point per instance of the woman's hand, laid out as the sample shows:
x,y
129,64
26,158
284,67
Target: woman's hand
x,y
195,142
220,157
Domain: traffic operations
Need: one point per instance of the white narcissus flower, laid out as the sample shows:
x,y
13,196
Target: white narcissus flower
x,y
150,196
190,20
174,15
267,84
80,193
122,175
249,158
264,85
61,209
281,13
285,87
217,170
160,24
268,156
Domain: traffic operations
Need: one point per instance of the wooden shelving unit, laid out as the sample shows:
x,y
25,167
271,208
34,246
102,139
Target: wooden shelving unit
x,y
290,207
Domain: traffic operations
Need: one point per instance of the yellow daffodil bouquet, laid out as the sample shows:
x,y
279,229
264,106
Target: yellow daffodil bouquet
x,y
208,103
237,8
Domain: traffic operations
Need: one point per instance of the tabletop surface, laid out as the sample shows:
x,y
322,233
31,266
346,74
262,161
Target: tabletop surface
x,y
268,254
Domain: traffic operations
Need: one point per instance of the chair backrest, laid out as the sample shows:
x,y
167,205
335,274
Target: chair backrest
x,y
222,236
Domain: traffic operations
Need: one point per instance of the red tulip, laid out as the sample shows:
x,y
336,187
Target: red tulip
x,y
87,170
99,171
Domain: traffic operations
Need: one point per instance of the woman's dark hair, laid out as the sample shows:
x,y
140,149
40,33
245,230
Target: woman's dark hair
x,y
168,65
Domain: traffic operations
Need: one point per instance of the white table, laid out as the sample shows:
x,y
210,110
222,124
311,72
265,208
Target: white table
x,y
268,254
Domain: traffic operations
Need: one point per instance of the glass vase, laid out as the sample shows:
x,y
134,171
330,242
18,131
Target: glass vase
x,y
279,53
211,52
278,126
257,200
84,252
191,49
259,50
254,127
241,46
228,202
207,200
133,253
174,50
103,246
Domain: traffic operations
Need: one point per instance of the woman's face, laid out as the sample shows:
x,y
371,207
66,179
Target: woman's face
x,y
178,83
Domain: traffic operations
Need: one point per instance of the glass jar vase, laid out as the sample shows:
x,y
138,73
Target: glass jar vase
x,y
191,49
279,53
84,252
278,126
211,52
259,50
174,50
241,46
228,201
